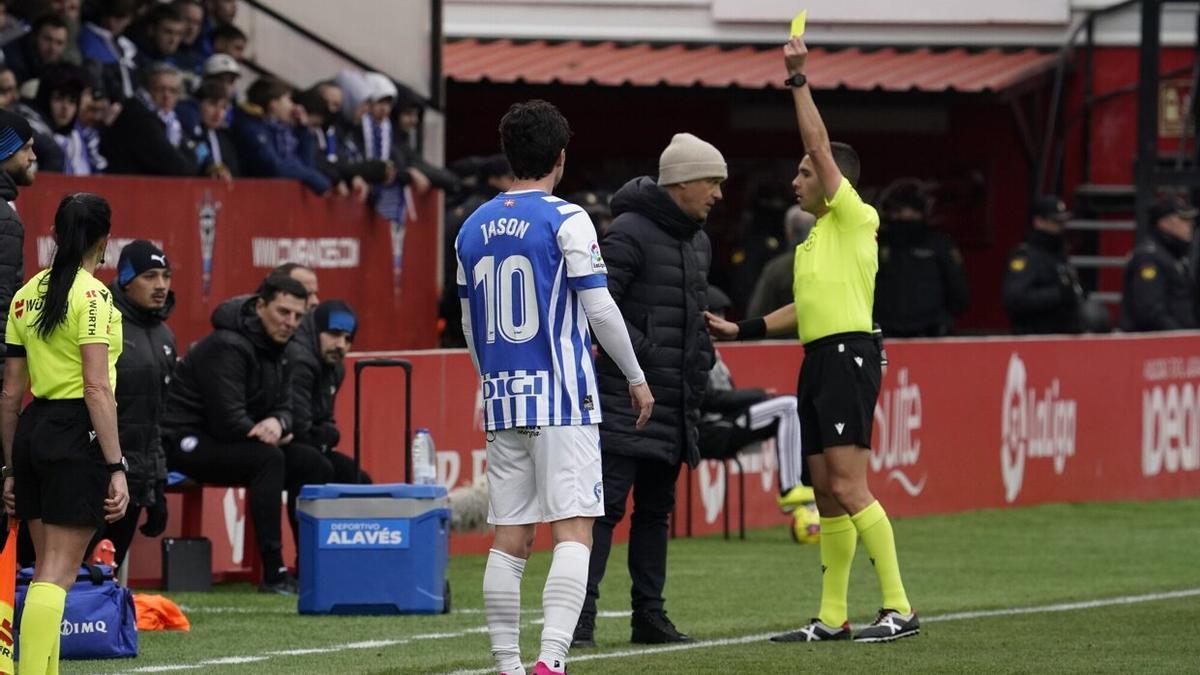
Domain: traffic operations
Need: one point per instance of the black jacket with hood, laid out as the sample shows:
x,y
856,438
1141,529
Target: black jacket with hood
x,y
143,373
230,380
314,387
12,248
658,260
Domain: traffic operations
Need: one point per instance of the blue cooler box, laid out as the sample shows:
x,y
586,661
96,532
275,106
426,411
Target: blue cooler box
x,y
373,549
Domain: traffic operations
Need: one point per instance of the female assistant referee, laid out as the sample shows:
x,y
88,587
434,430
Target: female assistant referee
x,y
63,470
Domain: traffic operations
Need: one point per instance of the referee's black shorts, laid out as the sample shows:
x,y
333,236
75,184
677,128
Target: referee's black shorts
x,y
836,394
60,473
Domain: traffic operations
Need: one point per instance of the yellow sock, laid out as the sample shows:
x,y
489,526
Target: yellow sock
x,y
876,532
41,624
838,540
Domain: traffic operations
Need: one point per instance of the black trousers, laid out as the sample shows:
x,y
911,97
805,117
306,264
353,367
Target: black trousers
x,y
120,533
303,465
258,467
653,486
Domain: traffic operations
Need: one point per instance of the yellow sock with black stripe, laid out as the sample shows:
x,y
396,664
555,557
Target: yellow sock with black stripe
x,y
838,540
41,626
876,532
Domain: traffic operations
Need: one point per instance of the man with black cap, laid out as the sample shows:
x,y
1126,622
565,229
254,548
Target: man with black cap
x,y
658,257
142,292
1160,290
921,285
1041,290
16,168
316,353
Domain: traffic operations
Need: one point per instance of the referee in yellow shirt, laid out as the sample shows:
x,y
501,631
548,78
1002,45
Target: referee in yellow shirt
x,y
833,292
63,470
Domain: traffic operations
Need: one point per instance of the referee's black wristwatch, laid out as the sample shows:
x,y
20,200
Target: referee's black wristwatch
x,y
796,81
122,465
6,472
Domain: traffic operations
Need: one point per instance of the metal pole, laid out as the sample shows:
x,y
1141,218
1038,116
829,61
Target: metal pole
x,y
1147,106
1089,76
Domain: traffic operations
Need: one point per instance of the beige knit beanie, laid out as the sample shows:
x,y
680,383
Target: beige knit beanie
x,y
689,158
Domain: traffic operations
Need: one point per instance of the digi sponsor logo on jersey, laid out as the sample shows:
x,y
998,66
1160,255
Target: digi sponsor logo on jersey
x,y
318,253
1033,428
898,419
374,533
1171,416
519,383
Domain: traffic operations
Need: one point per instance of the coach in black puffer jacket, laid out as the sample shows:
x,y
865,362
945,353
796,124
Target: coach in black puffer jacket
x,y
229,408
15,169
658,258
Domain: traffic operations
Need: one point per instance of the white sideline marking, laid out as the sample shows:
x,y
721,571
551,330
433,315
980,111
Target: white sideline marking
x,y
954,616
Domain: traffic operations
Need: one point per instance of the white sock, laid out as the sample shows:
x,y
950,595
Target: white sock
x,y
561,600
502,604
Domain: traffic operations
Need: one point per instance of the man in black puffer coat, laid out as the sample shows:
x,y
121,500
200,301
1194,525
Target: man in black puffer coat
x,y
16,168
229,409
142,292
658,258
315,354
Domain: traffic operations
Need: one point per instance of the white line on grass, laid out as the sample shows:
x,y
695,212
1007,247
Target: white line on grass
x,y
955,616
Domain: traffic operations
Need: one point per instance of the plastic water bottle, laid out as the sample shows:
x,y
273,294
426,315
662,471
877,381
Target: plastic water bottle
x,y
424,458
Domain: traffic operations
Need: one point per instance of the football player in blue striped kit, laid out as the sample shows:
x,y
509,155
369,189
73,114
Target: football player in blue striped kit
x,y
531,280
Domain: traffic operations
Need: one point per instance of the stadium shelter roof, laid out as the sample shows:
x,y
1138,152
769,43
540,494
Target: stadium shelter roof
x,y
644,64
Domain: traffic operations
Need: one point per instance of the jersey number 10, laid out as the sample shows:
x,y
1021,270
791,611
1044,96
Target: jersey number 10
x,y
515,274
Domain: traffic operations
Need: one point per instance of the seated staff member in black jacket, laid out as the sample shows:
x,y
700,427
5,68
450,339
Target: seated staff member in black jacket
x,y
142,292
64,474
316,355
229,409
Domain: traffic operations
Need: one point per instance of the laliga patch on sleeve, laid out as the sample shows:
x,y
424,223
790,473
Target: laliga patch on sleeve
x,y
1017,264
363,533
597,261
1149,272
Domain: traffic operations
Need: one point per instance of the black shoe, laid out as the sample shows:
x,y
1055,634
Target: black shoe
x,y
285,585
654,628
890,625
815,631
584,634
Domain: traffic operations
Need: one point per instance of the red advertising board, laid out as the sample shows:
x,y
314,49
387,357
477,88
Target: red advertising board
x,y
223,238
961,424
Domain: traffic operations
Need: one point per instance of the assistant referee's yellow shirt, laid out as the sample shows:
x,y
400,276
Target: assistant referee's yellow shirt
x,y
55,364
834,281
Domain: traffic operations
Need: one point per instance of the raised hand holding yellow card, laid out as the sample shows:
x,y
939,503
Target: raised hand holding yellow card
x,y
798,23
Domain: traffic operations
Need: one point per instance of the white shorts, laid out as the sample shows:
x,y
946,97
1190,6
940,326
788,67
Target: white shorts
x,y
544,474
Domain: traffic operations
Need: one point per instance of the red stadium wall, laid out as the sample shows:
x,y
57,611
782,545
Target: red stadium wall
x,y
961,424
257,224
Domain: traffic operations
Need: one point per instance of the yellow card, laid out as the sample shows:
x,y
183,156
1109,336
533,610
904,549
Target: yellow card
x,y
798,23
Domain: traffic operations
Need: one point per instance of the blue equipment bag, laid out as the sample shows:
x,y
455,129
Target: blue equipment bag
x,y
99,621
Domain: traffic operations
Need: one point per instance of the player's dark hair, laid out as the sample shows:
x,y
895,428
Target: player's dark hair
x,y
48,20
847,161
266,89
81,221
277,283
532,134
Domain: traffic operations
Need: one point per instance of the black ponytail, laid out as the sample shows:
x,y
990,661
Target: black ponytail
x,y
81,221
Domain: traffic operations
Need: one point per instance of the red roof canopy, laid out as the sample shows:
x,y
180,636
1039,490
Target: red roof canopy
x,y
677,65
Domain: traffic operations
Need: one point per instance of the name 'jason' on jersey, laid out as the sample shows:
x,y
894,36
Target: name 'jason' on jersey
x,y
500,227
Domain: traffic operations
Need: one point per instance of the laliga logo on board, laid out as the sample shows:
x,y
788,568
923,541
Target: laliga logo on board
x,y
898,417
1032,428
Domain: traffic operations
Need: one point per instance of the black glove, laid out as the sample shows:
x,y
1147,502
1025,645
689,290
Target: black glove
x,y
156,514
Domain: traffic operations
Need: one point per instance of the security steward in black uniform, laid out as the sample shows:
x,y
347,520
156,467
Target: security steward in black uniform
x,y
142,293
1160,291
1041,290
921,285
